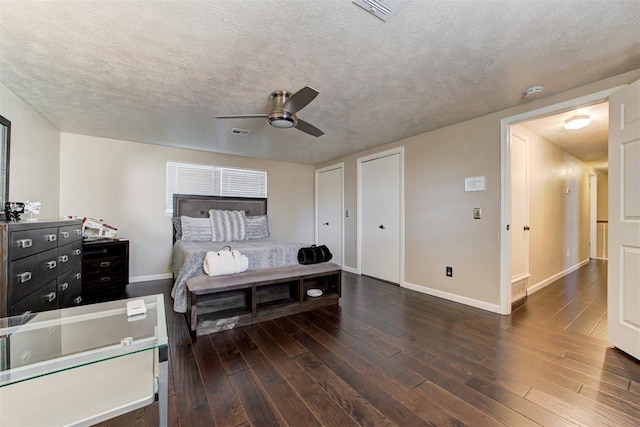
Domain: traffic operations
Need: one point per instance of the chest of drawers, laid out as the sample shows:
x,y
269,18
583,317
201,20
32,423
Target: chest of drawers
x,y
105,269
41,265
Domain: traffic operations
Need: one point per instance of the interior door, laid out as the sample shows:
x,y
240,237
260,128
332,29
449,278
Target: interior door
x,y
329,199
380,204
623,282
519,223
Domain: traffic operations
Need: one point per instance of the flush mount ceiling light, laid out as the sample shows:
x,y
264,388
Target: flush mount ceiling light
x,y
577,122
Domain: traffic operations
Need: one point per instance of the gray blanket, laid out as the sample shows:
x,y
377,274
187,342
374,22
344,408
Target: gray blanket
x,y
187,259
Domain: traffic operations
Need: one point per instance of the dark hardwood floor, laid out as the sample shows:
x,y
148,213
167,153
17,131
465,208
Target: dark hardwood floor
x,y
390,356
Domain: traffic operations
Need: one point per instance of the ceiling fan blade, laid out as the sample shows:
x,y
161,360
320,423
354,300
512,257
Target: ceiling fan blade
x,y
242,116
300,99
308,128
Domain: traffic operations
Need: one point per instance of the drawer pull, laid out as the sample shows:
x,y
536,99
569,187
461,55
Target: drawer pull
x,y
105,279
50,237
24,277
63,258
25,243
105,264
77,300
77,252
78,232
25,316
64,286
78,276
51,265
50,296
64,234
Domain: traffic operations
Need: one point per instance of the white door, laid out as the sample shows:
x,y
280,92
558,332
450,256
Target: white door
x,y
624,220
380,205
519,223
329,214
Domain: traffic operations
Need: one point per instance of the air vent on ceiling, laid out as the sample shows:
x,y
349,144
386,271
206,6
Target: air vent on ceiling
x,y
383,9
240,132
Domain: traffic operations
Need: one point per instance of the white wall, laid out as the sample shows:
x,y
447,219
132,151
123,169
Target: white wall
x,y
34,157
123,183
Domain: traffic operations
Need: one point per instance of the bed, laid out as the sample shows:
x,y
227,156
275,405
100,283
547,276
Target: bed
x,y
188,254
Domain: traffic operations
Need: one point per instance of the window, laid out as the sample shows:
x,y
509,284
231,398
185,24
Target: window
x,y
206,180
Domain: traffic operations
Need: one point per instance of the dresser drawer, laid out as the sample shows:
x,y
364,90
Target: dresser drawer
x,y
28,274
70,233
42,299
29,242
109,266
69,255
70,287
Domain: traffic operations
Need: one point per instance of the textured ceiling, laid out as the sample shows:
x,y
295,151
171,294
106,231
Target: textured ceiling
x,y
158,71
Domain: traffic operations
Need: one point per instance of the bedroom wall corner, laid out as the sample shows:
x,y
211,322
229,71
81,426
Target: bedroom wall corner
x,y
123,183
34,158
439,226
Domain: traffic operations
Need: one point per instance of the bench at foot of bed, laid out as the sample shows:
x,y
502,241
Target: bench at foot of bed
x,y
224,302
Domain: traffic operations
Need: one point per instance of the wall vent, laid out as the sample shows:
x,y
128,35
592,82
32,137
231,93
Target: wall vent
x,y
240,132
383,9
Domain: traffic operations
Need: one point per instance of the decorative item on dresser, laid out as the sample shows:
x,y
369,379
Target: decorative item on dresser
x,y
41,265
105,269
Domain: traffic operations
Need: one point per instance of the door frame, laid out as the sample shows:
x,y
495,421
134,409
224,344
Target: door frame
x,y
342,213
527,201
593,215
360,161
505,187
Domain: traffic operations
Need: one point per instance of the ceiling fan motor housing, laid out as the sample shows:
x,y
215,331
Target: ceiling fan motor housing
x,y
279,117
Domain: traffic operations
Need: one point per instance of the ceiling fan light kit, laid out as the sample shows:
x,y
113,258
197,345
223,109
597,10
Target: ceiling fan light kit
x,y
284,107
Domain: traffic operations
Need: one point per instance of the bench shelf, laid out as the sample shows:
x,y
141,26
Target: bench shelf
x,y
225,302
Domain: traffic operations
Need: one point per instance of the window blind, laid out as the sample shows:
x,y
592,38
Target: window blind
x,y
208,180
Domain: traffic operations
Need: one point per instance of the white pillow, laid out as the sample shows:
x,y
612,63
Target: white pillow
x,y
195,229
227,226
257,227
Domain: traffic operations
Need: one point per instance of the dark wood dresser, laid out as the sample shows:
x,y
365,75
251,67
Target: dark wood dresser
x,y
41,265
105,269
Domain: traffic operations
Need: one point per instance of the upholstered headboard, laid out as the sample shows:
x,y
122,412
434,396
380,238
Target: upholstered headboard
x,y
199,206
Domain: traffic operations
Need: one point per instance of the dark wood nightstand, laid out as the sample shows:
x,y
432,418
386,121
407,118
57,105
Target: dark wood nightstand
x,y
105,269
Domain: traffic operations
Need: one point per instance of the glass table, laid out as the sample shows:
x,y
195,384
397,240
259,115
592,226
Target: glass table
x,y
83,365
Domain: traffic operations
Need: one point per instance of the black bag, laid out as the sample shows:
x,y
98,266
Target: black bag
x,y
314,254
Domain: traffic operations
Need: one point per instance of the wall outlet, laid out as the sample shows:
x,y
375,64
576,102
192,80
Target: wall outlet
x,y
449,271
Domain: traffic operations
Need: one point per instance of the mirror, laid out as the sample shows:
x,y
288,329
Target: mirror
x,y
5,142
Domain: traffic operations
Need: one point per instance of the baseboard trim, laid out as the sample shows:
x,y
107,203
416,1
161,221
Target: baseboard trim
x,y
599,257
349,269
483,305
136,279
549,280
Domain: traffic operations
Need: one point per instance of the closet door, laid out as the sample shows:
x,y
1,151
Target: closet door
x,y
329,211
380,204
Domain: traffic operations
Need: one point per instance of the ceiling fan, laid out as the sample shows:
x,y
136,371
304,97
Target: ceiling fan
x,y
284,106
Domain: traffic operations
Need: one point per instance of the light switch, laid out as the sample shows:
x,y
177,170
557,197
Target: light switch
x,y
477,213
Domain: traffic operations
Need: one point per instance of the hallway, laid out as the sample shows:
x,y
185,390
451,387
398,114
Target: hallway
x,y
576,303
